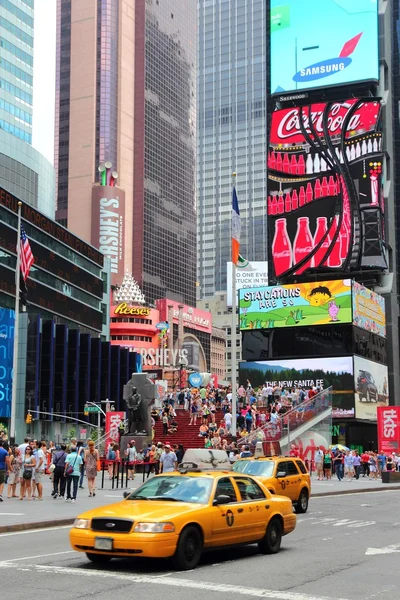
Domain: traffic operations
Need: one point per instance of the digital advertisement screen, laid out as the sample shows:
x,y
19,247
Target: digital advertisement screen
x,y
371,387
321,372
6,367
316,303
325,199
317,43
255,274
368,310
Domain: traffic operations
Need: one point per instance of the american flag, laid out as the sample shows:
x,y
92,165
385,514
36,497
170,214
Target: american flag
x,y
26,255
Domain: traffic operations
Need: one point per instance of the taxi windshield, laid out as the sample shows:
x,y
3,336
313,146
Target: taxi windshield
x,y
255,467
174,489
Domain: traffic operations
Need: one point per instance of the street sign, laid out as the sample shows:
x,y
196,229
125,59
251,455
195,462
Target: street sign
x,y
92,409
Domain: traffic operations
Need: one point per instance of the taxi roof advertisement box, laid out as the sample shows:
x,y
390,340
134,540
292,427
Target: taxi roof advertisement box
x,y
304,57
108,227
388,428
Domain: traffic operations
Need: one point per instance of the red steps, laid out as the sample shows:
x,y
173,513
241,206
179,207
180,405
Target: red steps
x,y
187,435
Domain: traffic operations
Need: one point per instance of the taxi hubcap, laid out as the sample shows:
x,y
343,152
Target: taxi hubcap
x,y
190,549
273,535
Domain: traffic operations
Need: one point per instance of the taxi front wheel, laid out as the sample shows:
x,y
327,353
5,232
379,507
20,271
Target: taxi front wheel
x,y
302,502
188,550
271,542
99,559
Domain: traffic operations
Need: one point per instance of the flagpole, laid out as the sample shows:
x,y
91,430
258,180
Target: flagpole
x,y
233,340
16,331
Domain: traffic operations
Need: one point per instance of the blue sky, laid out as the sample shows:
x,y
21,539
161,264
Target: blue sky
x,y
328,24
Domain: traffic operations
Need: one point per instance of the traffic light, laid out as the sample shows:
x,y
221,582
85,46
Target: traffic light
x,y
28,419
85,411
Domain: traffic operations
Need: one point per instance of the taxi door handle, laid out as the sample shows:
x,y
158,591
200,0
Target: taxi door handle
x,y
240,510
267,506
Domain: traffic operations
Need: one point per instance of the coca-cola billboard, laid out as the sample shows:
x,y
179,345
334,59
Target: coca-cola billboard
x,y
325,202
388,428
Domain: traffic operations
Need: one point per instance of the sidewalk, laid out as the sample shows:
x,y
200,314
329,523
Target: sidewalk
x,y
17,516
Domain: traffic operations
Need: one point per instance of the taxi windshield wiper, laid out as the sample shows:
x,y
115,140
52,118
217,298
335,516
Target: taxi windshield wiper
x,y
169,498
138,498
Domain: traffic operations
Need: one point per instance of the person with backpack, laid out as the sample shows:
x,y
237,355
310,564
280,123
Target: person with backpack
x,y
112,457
131,457
72,472
59,480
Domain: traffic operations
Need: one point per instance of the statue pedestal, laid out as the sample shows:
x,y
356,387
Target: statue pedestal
x,y
141,442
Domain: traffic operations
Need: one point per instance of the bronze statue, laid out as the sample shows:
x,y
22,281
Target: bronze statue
x,y
136,419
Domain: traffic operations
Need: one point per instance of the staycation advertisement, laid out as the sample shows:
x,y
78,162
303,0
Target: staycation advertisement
x,y
322,303
325,197
371,387
320,43
368,310
306,373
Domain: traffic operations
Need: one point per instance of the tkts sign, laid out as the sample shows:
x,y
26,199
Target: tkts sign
x,y
113,421
286,129
388,428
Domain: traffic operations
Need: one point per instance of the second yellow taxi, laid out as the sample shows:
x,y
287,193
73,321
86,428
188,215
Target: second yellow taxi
x,y
179,515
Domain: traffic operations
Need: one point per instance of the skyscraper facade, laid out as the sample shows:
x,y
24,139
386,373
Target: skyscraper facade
x,y
23,170
126,93
16,67
232,64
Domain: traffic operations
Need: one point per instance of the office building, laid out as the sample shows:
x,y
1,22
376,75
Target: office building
x,y
23,170
232,53
126,93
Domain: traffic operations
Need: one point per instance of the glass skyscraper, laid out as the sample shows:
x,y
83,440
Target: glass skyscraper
x,y
231,125
16,67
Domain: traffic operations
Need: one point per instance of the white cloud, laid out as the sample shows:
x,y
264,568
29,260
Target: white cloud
x,y
44,67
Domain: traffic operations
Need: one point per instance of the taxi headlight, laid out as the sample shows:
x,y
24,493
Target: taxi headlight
x,y
81,524
154,528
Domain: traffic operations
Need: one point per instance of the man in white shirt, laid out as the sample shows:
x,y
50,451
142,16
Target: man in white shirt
x,y
319,463
270,394
22,447
228,420
40,468
168,460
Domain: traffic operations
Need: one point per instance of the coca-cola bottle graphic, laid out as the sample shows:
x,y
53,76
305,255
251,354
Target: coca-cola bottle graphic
x,y
324,187
281,248
293,165
269,205
332,186
278,162
281,205
288,203
301,165
302,196
286,163
295,200
317,189
309,193
303,244
334,259
322,227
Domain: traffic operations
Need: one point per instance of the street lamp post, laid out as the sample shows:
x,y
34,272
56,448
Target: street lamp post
x,y
98,418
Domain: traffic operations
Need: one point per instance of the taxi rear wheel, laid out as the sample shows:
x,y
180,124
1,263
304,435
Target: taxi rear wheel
x,y
302,502
188,550
100,559
271,542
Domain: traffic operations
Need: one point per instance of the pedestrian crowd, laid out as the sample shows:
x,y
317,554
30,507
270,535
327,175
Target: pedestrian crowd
x,y
350,464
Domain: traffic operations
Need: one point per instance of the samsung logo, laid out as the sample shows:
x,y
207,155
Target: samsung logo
x,y
322,69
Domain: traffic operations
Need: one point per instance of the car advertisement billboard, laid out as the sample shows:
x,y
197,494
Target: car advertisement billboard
x,y
254,274
306,373
316,303
318,43
388,428
368,310
371,387
325,198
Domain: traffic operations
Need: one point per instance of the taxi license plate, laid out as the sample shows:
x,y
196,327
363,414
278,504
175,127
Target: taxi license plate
x,y
101,543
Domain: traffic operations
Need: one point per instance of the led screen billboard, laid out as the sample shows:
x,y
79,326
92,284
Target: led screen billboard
x,y
325,199
6,367
371,387
316,303
252,275
368,310
291,374
320,43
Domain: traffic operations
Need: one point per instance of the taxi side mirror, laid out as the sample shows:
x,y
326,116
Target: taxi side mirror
x,y
280,474
126,494
221,499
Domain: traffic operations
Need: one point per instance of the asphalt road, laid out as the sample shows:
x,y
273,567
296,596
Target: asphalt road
x,y
345,547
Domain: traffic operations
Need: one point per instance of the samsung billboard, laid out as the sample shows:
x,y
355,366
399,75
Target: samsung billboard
x,y
318,44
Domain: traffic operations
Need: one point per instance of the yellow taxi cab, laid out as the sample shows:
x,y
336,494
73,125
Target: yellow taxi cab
x,y
283,475
181,514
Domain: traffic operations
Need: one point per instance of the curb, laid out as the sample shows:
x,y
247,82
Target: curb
x,y
36,525
354,491
66,522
